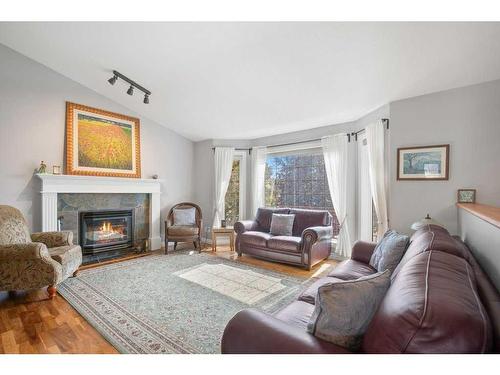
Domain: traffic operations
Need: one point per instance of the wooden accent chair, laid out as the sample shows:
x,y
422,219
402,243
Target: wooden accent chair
x,y
34,261
183,233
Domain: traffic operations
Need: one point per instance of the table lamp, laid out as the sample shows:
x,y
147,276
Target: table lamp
x,y
424,222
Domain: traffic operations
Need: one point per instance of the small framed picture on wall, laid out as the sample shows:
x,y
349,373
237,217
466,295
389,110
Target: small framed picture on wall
x,y
466,196
424,163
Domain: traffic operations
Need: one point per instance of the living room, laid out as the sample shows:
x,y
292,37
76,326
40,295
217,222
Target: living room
x,y
249,188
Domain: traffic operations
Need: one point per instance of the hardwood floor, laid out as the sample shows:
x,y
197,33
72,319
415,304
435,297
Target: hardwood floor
x,y
31,323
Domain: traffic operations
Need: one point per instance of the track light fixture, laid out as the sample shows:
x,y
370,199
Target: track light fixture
x,y
133,85
112,80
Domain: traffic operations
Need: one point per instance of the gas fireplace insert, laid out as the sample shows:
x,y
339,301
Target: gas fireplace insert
x,y
105,230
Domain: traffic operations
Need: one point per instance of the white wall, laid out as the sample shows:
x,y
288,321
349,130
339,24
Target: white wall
x,y
468,119
32,128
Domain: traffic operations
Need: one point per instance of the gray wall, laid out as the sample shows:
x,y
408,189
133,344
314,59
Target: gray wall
x,y
32,128
483,239
468,119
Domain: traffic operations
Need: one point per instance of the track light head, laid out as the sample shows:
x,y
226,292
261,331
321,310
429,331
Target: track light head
x,y
112,80
146,99
130,90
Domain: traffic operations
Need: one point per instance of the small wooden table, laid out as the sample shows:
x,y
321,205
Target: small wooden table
x,y
225,232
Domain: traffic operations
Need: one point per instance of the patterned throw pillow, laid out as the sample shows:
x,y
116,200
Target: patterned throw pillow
x,y
184,216
282,224
345,308
389,251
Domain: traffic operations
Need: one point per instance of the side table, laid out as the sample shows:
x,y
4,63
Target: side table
x,y
224,232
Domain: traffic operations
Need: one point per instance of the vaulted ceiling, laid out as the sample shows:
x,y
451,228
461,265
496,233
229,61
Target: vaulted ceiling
x,y
248,80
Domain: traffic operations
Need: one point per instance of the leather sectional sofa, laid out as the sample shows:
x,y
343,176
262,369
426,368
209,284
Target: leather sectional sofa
x,y
439,301
309,244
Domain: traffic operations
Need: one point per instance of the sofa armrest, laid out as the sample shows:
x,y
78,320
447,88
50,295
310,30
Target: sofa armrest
x,y
53,239
362,251
244,225
254,332
314,234
24,251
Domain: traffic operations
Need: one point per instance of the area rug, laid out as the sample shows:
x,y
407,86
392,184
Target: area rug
x,y
176,303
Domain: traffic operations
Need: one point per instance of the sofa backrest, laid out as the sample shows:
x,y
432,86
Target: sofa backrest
x,y
308,218
264,216
439,301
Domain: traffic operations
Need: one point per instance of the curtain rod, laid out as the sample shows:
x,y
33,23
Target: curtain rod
x,y
349,135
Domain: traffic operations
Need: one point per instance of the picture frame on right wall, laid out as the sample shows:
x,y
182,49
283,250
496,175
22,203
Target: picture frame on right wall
x,y
423,163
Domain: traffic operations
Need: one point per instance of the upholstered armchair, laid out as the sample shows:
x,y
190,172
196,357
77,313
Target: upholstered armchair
x,y
189,232
34,261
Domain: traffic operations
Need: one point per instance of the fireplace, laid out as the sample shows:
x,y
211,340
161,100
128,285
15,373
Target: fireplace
x,y
105,230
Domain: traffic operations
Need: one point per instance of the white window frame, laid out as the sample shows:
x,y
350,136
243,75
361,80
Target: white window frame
x,y
241,155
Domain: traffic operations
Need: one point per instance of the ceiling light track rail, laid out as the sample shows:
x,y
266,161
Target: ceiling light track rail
x,y
133,84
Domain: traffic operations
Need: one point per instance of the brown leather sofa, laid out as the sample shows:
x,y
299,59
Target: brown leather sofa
x,y
440,301
308,245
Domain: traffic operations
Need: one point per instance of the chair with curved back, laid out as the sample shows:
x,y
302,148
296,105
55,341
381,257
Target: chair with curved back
x,y
34,261
183,233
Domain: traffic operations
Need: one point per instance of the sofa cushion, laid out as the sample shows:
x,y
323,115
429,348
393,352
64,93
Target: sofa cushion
x,y
282,224
352,269
308,218
344,309
432,306
285,243
298,314
255,238
182,230
264,216
389,251
309,295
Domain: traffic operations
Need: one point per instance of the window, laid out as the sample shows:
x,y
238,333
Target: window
x,y
234,204
298,179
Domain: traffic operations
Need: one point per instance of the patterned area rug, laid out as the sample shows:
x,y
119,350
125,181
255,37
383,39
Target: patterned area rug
x,y
176,303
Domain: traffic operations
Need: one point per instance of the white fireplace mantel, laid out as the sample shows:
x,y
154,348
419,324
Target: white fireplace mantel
x,y
55,184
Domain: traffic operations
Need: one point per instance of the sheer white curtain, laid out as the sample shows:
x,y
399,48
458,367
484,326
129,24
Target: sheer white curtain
x,y
335,153
376,154
223,165
259,155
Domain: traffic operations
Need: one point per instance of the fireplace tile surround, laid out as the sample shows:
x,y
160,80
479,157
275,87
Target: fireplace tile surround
x,y
66,194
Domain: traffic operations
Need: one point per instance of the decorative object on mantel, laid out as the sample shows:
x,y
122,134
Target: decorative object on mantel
x,y
425,221
423,163
155,177
43,168
223,223
101,143
466,196
56,169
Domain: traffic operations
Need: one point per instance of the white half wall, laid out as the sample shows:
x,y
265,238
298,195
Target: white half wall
x,y
32,128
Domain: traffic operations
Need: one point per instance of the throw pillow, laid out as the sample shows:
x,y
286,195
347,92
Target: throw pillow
x,y
282,224
185,216
345,308
389,251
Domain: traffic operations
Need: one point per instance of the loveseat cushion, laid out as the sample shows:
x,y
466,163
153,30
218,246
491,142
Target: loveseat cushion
x,y
352,269
389,251
255,238
264,216
309,295
309,218
298,314
432,306
285,243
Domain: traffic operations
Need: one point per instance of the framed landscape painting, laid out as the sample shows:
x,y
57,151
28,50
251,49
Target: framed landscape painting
x,y
101,143
424,163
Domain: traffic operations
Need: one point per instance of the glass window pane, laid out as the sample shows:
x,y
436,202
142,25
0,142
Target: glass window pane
x,y
232,200
298,181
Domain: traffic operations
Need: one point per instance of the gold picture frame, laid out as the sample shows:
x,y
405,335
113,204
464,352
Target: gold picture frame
x,y
101,143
